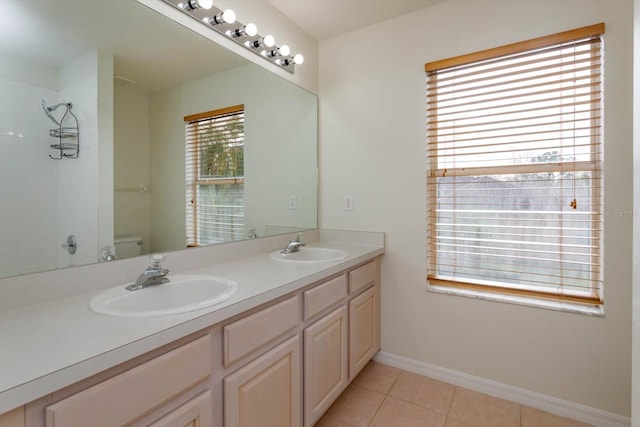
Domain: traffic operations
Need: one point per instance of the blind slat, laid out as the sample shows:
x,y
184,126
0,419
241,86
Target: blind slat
x,y
547,77
593,106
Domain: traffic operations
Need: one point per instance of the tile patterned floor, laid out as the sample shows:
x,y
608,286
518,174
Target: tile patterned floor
x,y
383,396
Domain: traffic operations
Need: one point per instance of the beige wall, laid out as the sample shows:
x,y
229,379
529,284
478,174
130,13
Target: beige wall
x,y
131,162
372,146
636,218
280,150
105,150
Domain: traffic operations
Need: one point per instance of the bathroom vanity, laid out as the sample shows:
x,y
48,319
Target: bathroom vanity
x,y
277,353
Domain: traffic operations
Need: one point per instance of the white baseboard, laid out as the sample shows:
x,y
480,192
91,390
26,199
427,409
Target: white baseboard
x,y
543,402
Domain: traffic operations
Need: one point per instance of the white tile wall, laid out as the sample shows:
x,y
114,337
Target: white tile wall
x,y
28,181
78,181
42,201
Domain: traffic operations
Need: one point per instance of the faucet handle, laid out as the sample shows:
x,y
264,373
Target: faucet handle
x,y
156,261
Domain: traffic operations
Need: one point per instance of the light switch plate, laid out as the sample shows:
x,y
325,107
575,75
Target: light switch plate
x,y
348,202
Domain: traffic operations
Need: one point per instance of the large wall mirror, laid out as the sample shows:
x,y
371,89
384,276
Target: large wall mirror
x,y
131,76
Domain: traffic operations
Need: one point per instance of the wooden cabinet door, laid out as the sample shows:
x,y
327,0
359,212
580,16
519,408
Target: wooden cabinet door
x,y
326,372
267,391
197,412
14,418
364,317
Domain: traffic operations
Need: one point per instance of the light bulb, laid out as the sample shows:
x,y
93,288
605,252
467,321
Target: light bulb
x,y
229,16
196,4
284,50
266,41
290,60
226,17
205,4
269,40
250,29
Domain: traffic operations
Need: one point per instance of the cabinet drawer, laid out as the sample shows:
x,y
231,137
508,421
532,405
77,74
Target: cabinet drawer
x,y
248,334
363,277
121,399
323,296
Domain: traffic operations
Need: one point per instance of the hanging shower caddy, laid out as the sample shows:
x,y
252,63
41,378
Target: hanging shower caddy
x,y
66,132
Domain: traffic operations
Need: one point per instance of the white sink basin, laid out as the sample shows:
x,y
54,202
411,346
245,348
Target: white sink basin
x,y
311,255
183,293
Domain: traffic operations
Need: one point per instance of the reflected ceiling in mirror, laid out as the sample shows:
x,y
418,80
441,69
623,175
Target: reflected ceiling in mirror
x,y
148,48
132,76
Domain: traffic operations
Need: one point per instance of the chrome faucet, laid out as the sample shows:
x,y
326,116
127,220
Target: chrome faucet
x,y
153,275
294,245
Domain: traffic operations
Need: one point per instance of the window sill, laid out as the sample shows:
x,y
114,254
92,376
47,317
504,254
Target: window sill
x,y
567,307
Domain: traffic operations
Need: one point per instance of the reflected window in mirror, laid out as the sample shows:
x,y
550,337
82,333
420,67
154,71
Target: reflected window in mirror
x,y
215,176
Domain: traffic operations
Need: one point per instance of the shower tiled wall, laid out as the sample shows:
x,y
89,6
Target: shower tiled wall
x,y
28,181
77,204
43,200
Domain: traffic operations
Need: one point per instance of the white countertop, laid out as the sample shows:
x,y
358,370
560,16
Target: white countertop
x,y
52,344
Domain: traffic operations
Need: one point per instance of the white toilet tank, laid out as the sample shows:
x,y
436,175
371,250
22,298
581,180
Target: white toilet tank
x,y
128,246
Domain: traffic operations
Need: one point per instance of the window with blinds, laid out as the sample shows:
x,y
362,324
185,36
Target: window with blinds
x,y
514,156
215,176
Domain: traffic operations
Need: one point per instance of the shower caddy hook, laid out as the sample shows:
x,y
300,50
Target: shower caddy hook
x,y
67,131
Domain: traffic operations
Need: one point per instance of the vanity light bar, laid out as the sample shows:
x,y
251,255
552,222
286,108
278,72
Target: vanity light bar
x,y
225,23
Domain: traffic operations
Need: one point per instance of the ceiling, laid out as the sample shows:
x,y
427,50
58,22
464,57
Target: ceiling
x,y
324,19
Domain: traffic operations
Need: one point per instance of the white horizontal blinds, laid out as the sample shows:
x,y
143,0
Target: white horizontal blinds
x,y
215,176
514,154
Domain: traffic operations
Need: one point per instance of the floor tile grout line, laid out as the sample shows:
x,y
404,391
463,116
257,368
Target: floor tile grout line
x,y
520,413
446,418
378,410
395,381
401,399
386,396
